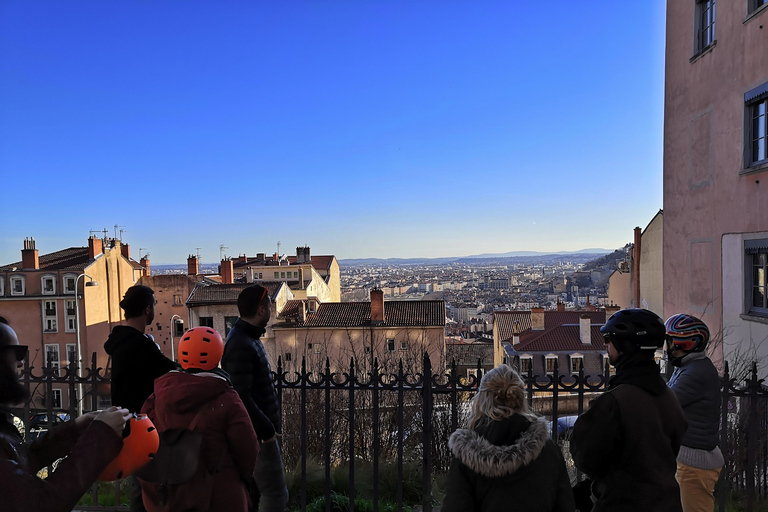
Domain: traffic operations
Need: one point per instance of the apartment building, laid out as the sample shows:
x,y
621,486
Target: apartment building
x,y
52,298
716,171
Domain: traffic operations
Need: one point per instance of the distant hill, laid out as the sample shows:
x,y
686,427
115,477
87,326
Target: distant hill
x,y
520,257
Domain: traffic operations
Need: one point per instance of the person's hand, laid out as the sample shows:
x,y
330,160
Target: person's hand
x,y
115,417
271,439
86,418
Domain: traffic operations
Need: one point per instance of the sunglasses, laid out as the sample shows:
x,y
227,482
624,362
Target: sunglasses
x,y
19,350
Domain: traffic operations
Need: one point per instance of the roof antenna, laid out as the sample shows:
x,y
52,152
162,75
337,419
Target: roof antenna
x,y
141,249
121,232
221,251
197,249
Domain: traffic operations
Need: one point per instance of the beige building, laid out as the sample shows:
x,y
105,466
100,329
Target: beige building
x,y
715,172
638,282
48,299
385,331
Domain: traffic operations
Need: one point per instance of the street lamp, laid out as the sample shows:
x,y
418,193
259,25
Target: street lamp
x,y
173,353
77,335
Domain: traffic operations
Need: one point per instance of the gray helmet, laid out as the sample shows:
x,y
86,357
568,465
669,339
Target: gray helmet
x,y
635,329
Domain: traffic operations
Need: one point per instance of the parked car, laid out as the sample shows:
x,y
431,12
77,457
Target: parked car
x,y
564,426
39,423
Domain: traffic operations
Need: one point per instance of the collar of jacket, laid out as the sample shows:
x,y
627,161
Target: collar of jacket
x,y
252,330
489,460
639,370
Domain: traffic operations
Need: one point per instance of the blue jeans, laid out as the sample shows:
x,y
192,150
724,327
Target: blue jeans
x,y
270,478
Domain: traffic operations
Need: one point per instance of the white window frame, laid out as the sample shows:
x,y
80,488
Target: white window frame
x,y
2,286
56,398
53,348
14,280
65,281
69,319
45,309
71,348
547,359
48,278
574,360
756,275
755,155
50,325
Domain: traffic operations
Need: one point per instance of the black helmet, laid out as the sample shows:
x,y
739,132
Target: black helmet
x,y
638,328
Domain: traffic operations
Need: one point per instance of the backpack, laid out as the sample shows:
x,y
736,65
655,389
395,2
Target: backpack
x,y
178,457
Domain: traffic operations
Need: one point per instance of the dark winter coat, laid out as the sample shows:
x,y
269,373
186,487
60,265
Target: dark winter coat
x,y
229,448
245,360
628,441
136,363
697,387
88,449
507,465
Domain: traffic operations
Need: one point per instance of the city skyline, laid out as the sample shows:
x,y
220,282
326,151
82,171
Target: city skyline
x,y
363,130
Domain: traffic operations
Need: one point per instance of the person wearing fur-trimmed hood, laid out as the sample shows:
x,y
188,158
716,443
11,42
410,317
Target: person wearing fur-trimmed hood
x,y
504,458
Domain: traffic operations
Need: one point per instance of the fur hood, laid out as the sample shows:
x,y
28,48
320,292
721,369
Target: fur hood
x,y
503,448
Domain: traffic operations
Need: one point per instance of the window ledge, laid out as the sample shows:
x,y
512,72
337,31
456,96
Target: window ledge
x,y
754,317
761,167
755,13
703,51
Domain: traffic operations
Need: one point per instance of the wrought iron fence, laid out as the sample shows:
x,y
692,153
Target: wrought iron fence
x,y
373,414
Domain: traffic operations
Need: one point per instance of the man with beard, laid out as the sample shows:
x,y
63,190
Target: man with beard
x,y
136,361
628,440
89,443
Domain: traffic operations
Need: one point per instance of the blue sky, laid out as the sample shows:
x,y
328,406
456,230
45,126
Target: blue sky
x,y
359,128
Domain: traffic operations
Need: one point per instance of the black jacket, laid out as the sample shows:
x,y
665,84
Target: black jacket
x,y
510,464
697,386
246,362
136,363
628,441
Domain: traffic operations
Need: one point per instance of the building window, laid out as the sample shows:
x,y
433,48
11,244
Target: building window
x,y
472,372
317,348
69,283
71,353
756,117
17,285
178,327
229,323
287,357
2,286
56,398
277,275
757,260
577,361
282,275
549,363
177,300
52,356
206,321
50,325
391,345
756,4
48,285
50,307
705,24
261,276
403,345
526,364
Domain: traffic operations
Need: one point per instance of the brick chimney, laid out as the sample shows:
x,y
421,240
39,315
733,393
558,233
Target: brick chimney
x,y
377,306
29,255
301,278
144,262
636,266
585,329
193,265
610,310
95,246
537,319
227,271
125,250
560,305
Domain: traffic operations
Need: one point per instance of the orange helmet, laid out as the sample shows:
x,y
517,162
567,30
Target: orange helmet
x,y
139,446
201,348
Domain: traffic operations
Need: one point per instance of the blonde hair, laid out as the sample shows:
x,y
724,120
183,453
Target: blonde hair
x,y
500,395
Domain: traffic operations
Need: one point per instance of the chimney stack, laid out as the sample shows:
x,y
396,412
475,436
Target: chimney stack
x,y
193,265
95,246
537,319
125,250
515,339
610,310
249,275
377,306
144,262
585,329
227,271
29,255
560,305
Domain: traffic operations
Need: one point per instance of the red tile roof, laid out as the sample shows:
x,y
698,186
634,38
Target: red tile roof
x,y
226,293
511,322
563,338
406,313
291,309
73,258
561,330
